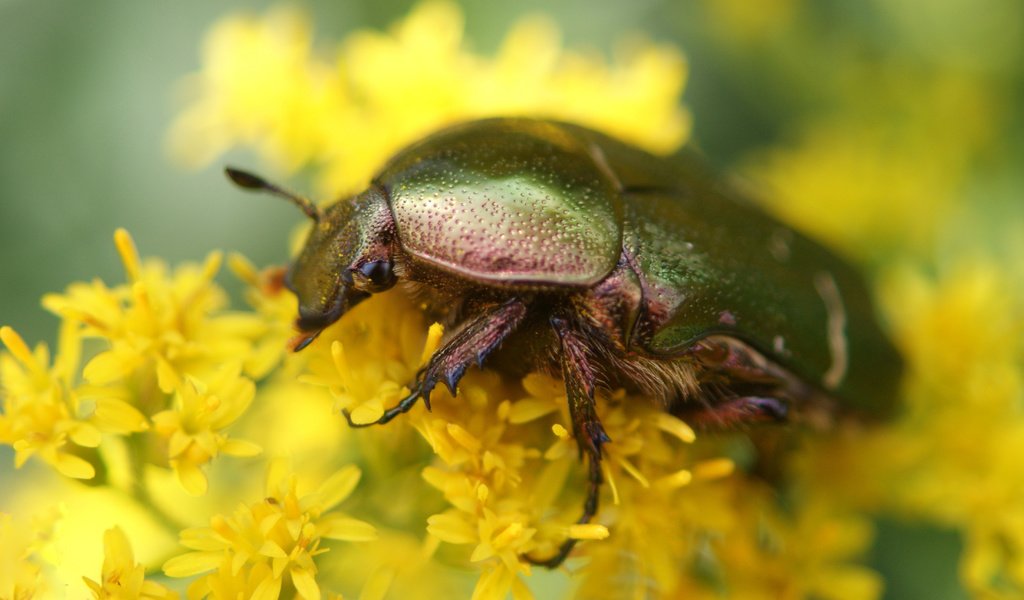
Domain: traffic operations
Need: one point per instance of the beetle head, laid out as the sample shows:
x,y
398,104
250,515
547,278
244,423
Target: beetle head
x,y
346,258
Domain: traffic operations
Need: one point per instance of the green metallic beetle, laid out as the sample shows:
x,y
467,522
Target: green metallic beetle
x,y
549,246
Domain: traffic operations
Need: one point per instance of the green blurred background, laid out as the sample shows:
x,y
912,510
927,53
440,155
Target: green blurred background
x,y
88,89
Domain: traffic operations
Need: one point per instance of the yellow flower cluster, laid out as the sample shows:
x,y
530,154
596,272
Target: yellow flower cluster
x,y
122,576
262,86
21,545
167,379
267,545
892,172
450,502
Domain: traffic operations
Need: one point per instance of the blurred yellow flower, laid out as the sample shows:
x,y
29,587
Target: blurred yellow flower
x,y
369,359
262,86
272,541
193,427
159,326
123,578
46,412
20,572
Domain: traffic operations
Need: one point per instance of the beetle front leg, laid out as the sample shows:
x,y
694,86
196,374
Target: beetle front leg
x,y
477,338
579,376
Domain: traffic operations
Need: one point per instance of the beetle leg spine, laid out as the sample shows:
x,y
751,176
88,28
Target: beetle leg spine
x,y
472,343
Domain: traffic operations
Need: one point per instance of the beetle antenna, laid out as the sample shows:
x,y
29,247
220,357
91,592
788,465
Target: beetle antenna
x,y
247,180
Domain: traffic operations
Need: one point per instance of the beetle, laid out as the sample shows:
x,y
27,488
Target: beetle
x,y
547,245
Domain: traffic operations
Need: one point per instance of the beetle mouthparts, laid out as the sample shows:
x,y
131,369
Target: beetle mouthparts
x,y
302,340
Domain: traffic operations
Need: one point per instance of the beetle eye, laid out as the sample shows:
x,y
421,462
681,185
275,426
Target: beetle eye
x,y
374,276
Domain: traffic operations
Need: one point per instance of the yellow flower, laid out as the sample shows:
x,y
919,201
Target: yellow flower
x,y
366,360
46,413
809,554
266,544
262,86
20,573
276,308
123,578
965,424
880,184
194,427
159,326
397,565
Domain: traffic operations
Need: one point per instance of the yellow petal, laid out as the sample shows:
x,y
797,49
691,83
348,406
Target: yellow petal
x,y
464,438
212,265
588,531
117,416
377,585
367,412
433,342
96,588
530,409
272,550
337,527
493,585
451,528
129,253
17,346
192,563
678,479
191,477
107,367
178,443
277,470
117,551
508,535
268,589
481,552
201,538
85,435
305,583
243,269
337,487
72,466
167,378
675,427
714,469
234,447
520,591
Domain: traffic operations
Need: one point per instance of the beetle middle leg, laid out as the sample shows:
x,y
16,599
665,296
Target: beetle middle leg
x,y
472,342
579,376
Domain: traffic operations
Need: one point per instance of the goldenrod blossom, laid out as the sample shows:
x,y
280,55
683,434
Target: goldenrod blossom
x,y
339,113
273,541
159,326
20,572
193,427
47,413
123,578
